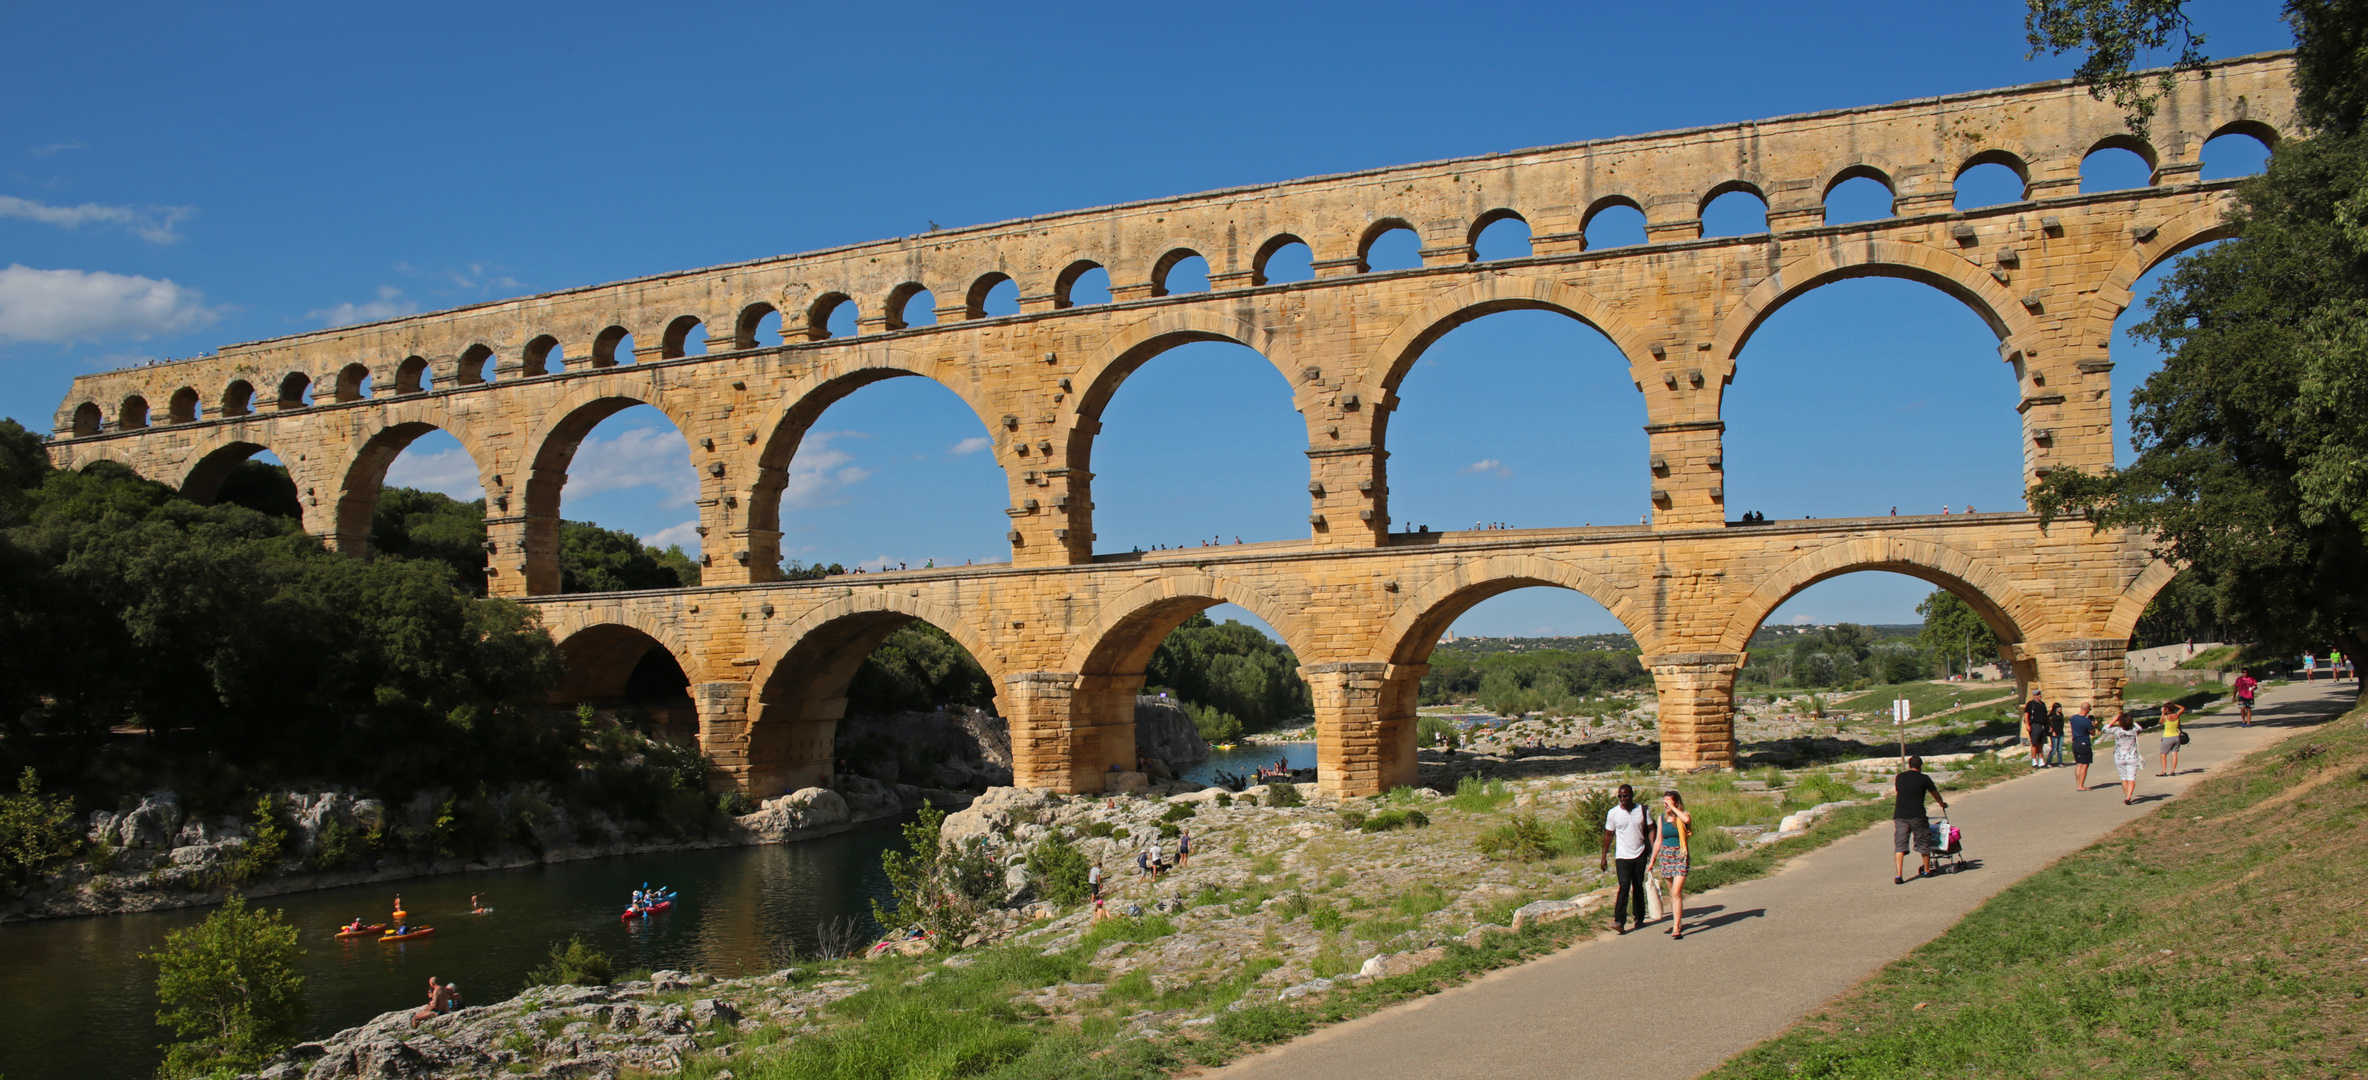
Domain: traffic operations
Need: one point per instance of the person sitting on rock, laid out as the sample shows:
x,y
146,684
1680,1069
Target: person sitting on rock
x,y
437,997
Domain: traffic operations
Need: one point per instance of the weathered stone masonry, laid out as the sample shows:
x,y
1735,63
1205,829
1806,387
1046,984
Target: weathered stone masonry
x,y
521,382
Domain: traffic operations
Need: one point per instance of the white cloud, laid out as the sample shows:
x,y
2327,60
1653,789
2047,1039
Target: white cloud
x,y
1489,467
970,446
54,148
685,534
1803,620
820,470
447,471
637,457
151,223
85,305
389,305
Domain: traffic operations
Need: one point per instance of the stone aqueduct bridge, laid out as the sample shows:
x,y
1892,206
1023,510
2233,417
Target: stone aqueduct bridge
x,y
1066,633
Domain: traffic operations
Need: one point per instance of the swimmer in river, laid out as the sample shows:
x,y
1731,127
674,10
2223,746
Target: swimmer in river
x,y
476,906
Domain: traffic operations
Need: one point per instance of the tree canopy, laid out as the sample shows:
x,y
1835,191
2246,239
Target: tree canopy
x,y
1232,668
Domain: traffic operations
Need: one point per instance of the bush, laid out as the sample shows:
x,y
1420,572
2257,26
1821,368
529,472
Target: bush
x,y
230,990
1351,818
340,845
35,833
1427,730
576,963
1058,871
1479,796
941,888
1178,812
1170,830
1284,794
266,842
1224,798
734,803
1522,839
1395,819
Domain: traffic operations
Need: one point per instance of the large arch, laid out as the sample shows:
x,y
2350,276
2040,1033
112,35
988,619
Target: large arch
x,y
1127,628
1951,274
836,377
2131,605
800,685
622,664
2170,240
2004,607
362,480
209,463
1428,610
1487,296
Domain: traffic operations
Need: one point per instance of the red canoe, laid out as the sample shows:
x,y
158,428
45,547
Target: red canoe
x,y
638,913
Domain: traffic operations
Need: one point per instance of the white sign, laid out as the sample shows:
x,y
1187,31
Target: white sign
x,y
1899,711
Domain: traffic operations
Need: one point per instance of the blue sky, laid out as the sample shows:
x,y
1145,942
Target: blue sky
x,y
174,178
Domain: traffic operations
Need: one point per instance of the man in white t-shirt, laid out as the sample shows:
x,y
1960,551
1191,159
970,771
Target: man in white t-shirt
x,y
1625,826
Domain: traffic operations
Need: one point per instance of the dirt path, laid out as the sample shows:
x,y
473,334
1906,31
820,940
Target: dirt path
x,y
1760,955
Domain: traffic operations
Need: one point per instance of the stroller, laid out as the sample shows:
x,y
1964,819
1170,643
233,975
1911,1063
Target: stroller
x,y
1948,847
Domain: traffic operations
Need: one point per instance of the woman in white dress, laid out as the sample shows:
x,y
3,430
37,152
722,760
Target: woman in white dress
x,y
2126,755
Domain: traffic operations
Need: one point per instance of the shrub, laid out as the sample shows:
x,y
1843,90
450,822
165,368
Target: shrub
x,y
1588,814
1058,872
1327,918
1178,812
266,842
230,990
1225,798
734,803
576,963
1396,819
1480,796
35,833
1284,794
942,888
1351,818
1215,725
1169,830
1099,828
1522,839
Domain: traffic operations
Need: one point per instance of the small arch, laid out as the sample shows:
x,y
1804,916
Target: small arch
x,y
1166,279
88,419
471,369
1992,178
988,297
2108,166
682,335
2238,149
748,328
910,305
827,309
802,685
624,664
295,390
1499,234
238,399
1065,291
1277,263
353,382
539,354
411,376
1389,244
1614,221
612,346
202,484
184,407
1734,208
1859,193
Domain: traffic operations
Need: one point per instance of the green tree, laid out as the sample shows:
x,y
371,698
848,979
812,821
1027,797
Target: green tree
x,y
943,888
230,989
426,525
575,963
1954,636
1059,871
2113,36
918,668
35,833
1233,668
593,559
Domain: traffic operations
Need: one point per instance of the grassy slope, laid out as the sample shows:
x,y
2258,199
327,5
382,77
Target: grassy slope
x,y
2221,936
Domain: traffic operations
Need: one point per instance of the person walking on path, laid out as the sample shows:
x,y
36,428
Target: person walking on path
x,y
1183,847
2035,729
2084,728
2171,739
2246,687
1623,833
1677,842
1093,880
2126,755
1909,824
2310,667
2055,735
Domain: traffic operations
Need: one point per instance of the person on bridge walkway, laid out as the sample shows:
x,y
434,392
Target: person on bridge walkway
x,y
1624,827
1909,824
2035,729
1677,844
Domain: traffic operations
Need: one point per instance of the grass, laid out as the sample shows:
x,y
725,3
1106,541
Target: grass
x,y
1926,698
2217,937
2215,659
2191,696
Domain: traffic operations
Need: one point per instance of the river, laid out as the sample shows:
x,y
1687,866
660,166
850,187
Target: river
x,y
78,1003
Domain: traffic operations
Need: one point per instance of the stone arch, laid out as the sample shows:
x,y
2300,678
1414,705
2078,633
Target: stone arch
x,y
819,312
1128,628
551,447
469,370
2123,140
2003,606
1854,258
892,316
411,376
610,629
744,327
676,342
2265,134
1603,203
183,408
1480,225
1267,250
1381,227
1167,263
604,347
210,464
292,388
132,414
2172,238
1487,296
1138,343
834,377
351,382
88,418
974,302
2013,157
1066,282
1859,169
1749,185
536,360
2131,606
1427,611
238,399
799,692
362,478
603,650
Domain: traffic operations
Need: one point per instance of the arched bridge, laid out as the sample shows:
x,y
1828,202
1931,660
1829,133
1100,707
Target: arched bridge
x,y
1066,632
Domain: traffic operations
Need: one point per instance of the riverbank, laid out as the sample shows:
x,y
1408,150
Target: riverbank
x,y
1284,916
155,857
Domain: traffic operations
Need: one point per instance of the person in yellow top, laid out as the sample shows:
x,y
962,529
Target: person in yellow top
x,y
2170,739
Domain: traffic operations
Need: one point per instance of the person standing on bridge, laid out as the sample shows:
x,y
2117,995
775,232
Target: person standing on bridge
x,y
1624,828
1909,824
